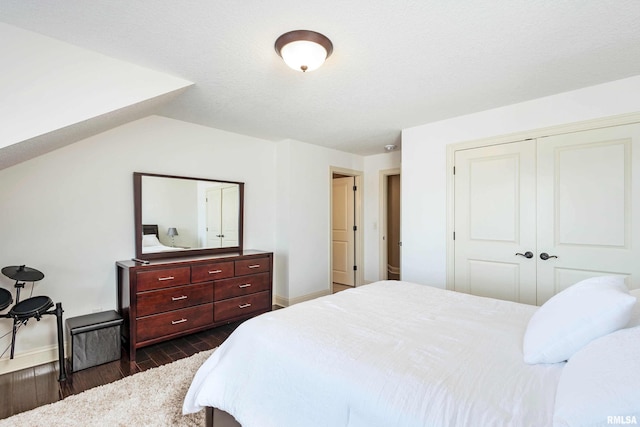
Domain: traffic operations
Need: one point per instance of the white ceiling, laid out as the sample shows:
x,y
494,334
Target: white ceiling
x,y
396,64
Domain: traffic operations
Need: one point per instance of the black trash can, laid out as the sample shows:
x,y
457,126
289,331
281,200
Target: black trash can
x,y
93,339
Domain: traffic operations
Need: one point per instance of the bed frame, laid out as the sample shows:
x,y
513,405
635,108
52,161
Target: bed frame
x,y
215,417
150,229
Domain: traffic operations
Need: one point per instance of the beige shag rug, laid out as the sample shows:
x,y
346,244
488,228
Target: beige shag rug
x,y
150,398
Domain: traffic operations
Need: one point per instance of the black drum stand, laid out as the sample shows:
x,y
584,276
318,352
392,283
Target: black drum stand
x,y
30,308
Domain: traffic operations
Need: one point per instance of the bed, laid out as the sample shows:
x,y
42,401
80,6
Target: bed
x,y
388,354
151,242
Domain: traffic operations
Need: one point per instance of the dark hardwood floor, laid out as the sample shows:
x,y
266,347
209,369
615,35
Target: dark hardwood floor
x,y
29,388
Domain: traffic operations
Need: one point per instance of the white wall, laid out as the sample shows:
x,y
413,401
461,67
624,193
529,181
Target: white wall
x,y
303,216
373,165
69,213
424,172
170,203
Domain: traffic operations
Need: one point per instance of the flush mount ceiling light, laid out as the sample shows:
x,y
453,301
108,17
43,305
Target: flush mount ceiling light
x,y
303,50
390,147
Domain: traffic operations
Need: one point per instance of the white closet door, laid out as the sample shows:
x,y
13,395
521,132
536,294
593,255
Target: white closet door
x,y
230,214
214,214
588,207
223,210
495,218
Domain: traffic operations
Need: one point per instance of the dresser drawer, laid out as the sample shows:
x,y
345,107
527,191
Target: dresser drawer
x,y
240,306
213,271
252,266
238,286
164,278
152,302
173,322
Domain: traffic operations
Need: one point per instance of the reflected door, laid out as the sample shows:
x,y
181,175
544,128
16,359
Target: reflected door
x,y
230,211
214,214
222,216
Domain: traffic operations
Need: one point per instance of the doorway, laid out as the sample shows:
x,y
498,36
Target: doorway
x,y
390,240
346,245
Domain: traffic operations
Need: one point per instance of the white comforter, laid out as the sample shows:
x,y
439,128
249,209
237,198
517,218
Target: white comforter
x,y
159,248
385,354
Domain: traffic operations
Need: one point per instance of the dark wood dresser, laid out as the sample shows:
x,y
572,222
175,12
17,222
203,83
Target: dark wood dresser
x,y
169,298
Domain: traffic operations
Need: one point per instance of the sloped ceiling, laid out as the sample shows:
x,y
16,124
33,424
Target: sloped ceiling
x,y
54,93
395,64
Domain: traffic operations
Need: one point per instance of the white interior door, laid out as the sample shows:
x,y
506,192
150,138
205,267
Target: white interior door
x,y
214,211
588,207
230,214
576,211
495,219
343,234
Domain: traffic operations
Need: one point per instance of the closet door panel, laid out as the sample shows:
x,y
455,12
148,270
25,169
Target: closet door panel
x,y
500,280
565,277
592,183
494,220
588,191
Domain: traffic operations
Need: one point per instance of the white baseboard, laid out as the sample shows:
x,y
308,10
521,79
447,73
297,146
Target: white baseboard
x,y
29,359
281,301
286,302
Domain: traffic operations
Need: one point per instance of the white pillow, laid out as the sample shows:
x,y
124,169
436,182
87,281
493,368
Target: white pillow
x,y
600,384
574,317
150,240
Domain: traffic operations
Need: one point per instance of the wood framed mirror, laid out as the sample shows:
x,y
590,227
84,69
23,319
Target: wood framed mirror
x,y
184,216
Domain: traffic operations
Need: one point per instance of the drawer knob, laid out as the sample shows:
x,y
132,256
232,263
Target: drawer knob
x,y
246,285
166,278
215,271
254,266
244,305
175,322
178,298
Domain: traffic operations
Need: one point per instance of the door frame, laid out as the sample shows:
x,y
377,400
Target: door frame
x,y
382,228
622,119
359,234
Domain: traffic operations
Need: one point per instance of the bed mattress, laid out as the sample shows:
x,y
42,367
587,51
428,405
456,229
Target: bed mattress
x,y
386,354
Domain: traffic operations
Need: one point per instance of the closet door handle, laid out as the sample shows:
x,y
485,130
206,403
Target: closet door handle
x,y
545,256
527,254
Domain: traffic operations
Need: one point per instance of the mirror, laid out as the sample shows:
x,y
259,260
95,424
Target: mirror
x,y
183,216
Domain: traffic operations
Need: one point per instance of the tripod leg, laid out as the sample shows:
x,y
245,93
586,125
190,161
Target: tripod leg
x,y
63,372
13,336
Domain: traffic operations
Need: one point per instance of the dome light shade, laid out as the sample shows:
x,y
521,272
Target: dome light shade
x,y
303,50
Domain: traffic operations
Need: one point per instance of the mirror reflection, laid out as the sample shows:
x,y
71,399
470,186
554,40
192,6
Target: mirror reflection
x,y
180,214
